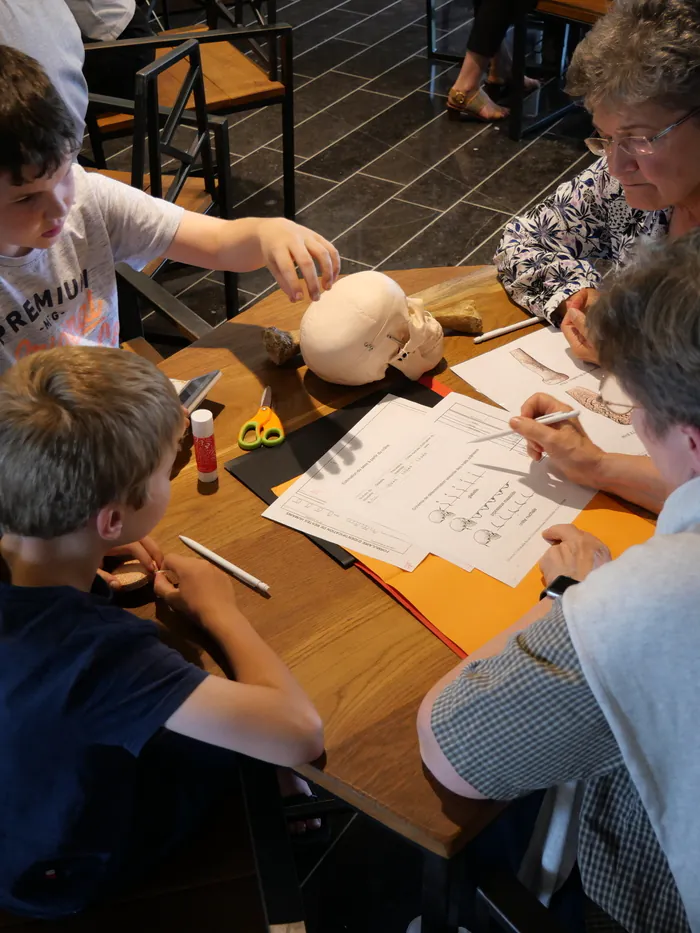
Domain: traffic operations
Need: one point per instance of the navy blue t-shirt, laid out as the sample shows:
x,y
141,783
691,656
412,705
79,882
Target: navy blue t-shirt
x,y
84,685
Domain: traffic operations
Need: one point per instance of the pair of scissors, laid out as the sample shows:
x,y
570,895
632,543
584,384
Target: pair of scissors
x,y
265,426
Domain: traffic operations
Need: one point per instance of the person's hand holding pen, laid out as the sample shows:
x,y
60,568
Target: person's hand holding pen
x,y
570,449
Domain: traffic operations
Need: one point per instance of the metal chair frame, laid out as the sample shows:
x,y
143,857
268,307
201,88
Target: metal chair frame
x,y
216,9
503,904
517,127
281,34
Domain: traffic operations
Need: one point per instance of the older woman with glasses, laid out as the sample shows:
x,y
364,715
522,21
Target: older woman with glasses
x,y
638,72
598,682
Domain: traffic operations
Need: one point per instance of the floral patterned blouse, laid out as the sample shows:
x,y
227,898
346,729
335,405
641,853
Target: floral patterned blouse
x,y
560,246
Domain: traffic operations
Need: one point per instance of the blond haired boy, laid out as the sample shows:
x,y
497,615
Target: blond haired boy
x,y
103,761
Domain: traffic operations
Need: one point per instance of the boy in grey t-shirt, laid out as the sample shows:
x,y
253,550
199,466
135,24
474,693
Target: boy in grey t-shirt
x,y
62,230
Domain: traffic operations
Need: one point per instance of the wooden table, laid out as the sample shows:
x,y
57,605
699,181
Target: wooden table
x,y
364,660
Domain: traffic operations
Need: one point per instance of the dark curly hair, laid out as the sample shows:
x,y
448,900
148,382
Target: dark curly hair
x,y
36,128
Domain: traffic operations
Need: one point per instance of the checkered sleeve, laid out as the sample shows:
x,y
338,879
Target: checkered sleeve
x,y
525,719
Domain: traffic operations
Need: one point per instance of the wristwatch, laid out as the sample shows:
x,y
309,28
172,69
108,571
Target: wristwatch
x,y
558,587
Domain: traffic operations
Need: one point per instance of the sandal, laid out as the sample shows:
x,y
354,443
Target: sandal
x,y
474,105
529,84
322,834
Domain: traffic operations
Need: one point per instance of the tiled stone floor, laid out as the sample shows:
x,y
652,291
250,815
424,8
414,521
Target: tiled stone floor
x,y
382,170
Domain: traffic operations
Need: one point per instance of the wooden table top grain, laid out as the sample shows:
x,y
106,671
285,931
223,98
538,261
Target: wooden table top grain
x,y
365,661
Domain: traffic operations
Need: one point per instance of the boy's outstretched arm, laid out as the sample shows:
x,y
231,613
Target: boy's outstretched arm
x,y
252,242
264,713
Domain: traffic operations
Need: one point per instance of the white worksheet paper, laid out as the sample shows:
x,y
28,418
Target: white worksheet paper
x,y
475,503
318,504
543,362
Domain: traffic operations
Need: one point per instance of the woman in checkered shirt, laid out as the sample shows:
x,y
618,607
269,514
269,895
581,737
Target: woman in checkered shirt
x,y
598,683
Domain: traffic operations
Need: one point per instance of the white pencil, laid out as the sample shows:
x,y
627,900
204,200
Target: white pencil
x,y
554,418
235,571
507,330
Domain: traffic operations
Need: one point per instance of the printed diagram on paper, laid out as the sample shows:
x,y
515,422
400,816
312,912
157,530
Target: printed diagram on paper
x,y
474,504
410,480
475,419
316,503
542,362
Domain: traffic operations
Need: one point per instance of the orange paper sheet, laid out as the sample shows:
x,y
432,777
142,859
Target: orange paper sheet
x,y
471,608
468,609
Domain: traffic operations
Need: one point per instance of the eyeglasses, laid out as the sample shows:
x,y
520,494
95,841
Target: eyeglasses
x,y
612,395
634,145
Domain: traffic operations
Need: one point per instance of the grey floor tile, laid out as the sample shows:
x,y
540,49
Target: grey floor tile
x,y
380,25
264,126
177,280
206,299
404,118
441,83
323,92
323,28
452,178
583,163
298,14
333,53
408,76
379,58
382,232
346,204
259,128
255,172
345,157
121,156
350,266
483,254
447,240
577,124
269,201
368,7
533,170
426,147
454,42
256,282
343,117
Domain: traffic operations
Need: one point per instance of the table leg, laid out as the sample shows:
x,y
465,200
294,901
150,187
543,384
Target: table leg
x,y
274,858
444,881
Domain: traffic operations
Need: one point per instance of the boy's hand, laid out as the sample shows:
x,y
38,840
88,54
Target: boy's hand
x,y
574,553
196,588
284,243
146,551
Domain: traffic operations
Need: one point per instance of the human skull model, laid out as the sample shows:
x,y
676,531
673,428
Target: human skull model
x,y
364,324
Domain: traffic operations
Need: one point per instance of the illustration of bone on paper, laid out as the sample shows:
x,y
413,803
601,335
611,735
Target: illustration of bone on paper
x,y
593,402
549,376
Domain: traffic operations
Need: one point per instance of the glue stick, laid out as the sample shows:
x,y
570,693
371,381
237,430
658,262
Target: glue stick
x,y
202,422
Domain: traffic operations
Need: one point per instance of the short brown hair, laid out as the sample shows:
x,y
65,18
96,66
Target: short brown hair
x,y
80,427
646,329
36,128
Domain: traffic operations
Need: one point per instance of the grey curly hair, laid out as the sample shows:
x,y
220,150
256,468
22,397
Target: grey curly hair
x,y
646,329
640,51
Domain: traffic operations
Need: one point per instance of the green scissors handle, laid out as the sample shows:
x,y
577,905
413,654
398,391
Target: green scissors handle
x,y
269,433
